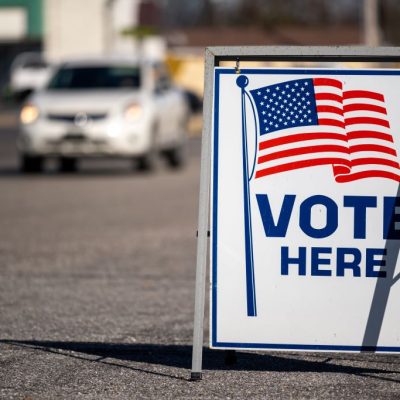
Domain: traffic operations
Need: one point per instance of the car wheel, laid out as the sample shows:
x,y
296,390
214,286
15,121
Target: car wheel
x,y
68,164
175,157
148,161
31,163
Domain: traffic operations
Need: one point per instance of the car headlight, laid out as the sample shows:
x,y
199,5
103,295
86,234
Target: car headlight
x,y
133,112
29,114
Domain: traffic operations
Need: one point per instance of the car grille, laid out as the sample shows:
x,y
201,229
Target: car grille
x,y
71,117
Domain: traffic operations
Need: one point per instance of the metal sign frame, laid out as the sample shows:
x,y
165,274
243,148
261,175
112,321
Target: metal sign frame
x,y
213,57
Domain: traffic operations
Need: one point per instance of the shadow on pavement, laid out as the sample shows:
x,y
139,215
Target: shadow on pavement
x,y
179,356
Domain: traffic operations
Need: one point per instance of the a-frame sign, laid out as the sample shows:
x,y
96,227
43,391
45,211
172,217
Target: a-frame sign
x,y
299,190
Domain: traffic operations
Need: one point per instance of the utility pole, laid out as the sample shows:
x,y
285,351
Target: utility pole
x,y
372,33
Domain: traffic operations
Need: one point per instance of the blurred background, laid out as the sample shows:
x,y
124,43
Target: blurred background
x,y
34,34
179,30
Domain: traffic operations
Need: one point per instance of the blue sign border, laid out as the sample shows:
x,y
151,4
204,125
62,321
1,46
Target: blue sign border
x,y
215,163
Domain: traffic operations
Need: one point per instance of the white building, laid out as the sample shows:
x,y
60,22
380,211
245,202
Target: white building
x,y
92,28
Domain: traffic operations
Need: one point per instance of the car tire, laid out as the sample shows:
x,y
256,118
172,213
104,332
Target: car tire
x,y
175,157
148,162
31,164
68,164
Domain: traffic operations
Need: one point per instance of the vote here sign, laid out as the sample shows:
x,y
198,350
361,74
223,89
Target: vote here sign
x,y
305,220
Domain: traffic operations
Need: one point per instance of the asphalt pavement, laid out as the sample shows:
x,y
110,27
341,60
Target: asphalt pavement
x,y
97,292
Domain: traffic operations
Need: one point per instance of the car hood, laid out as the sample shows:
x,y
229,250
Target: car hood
x,y
64,101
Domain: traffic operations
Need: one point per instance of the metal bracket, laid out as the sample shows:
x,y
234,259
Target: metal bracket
x,y
208,233
237,67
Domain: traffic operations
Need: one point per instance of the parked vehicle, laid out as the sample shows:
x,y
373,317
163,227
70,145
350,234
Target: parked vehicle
x,y
28,72
104,107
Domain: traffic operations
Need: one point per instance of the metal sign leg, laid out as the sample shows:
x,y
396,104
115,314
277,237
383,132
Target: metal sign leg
x,y
203,220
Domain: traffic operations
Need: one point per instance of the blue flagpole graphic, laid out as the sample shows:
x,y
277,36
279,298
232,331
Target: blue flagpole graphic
x,y
242,81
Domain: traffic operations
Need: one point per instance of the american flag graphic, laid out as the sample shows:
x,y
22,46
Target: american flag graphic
x,y
313,122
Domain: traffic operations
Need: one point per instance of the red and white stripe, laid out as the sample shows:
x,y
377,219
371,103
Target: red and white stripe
x,y
308,146
353,135
372,150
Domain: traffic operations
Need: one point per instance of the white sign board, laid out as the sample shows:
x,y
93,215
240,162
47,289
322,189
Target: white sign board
x,y
305,210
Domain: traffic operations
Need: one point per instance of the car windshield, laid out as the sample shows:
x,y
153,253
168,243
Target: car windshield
x,y
104,77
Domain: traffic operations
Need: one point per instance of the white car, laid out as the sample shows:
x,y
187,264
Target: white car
x,y
28,72
104,107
